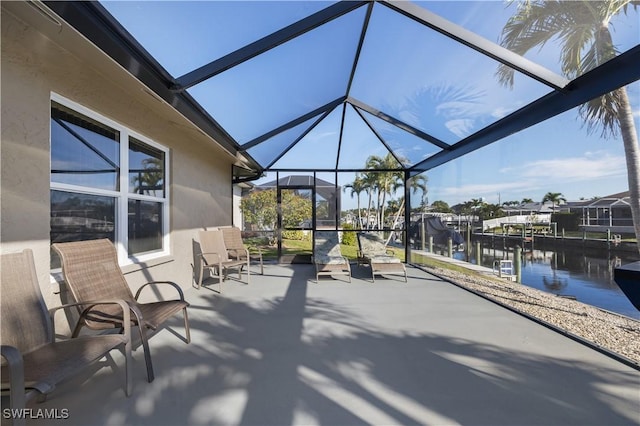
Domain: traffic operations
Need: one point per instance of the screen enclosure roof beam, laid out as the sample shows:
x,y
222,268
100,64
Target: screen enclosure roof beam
x,y
613,74
95,23
478,43
266,43
400,124
327,107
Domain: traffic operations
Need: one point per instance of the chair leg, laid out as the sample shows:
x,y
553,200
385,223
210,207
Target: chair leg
x,y
17,399
221,275
128,366
186,325
145,342
147,353
201,274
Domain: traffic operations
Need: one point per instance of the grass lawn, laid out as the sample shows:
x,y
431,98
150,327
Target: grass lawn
x,y
303,246
430,262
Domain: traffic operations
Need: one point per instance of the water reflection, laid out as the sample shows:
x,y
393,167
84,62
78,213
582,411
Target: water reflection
x,y
584,274
555,284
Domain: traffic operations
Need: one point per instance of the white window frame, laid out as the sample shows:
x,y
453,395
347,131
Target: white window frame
x,y
122,196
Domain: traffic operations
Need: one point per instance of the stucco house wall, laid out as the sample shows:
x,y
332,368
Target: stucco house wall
x,y
41,57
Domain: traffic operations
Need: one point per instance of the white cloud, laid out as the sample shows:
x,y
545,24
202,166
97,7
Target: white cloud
x,y
500,112
460,127
409,117
528,179
590,166
479,190
319,136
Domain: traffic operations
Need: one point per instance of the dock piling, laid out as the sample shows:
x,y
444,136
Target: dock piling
x,y
517,256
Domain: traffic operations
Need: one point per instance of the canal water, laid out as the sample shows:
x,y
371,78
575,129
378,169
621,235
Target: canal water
x,y
586,275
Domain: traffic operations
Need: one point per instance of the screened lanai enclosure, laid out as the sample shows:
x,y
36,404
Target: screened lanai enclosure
x,y
354,115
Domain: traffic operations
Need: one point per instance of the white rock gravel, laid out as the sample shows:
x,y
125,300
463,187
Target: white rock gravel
x,y
611,331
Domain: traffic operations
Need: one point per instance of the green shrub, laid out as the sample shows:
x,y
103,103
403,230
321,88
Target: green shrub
x,y
566,221
293,235
348,238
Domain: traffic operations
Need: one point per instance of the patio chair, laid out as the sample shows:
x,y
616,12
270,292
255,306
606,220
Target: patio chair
x,y
34,362
214,256
236,247
374,253
327,256
91,271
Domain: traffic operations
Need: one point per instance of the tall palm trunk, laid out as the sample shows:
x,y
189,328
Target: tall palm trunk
x,y
369,210
395,220
384,199
632,154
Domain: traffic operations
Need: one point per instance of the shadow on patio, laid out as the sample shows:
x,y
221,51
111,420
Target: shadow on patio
x,y
286,350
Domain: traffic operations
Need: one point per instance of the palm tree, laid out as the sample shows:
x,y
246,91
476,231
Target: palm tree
x,y
357,187
583,29
369,182
554,198
416,183
385,179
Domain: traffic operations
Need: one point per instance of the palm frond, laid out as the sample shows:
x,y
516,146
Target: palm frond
x,y
533,25
581,26
602,113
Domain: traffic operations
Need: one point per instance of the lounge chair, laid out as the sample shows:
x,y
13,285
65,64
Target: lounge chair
x,y
91,271
34,361
327,256
214,256
237,249
373,252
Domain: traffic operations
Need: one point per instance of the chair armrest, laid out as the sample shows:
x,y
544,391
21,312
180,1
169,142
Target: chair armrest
x,y
15,366
255,251
236,252
218,255
12,355
170,283
88,305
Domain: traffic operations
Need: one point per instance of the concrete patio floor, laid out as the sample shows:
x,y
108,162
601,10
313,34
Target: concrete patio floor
x,y
286,350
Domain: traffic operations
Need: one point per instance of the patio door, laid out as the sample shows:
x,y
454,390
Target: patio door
x,y
296,207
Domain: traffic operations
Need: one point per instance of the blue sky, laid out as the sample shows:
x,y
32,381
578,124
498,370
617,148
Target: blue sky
x,y
405,70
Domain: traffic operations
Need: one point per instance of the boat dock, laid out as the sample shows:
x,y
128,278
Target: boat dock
x,y
501,271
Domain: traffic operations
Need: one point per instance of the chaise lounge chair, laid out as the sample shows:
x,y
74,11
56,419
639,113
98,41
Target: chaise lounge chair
x,y
373,252
215,257
327,256
34,361
91,271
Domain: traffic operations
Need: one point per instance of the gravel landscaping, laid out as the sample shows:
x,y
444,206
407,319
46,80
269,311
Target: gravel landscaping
x,y
611,331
